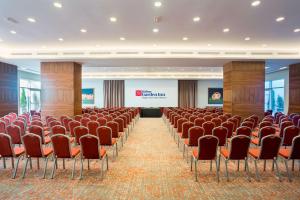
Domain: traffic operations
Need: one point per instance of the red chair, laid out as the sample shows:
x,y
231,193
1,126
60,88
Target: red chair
x,y
238,150
92,126
102,121
86,115
34,149
267,119
192,118
217,122
93,117
37,123
289,134
104,134
2,127
264,124
221,133
296,119
248,124
58,130
185,131
235,122
269,151
100,115
265,131
22,126
222,118
62,149
66,122
8,151
179,126
84,121
199,122
115,130
109,118
291,154
194,134
283,126
207,150
207,118
230,127
208,126
80,131
37,130
243,130
255,118
15,133
73,124
54,123
91,149
120,122
78,118
49,120
239,118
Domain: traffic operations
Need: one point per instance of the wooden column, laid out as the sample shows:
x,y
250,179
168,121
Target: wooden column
x,y
244,88
294,88
8,89
61,88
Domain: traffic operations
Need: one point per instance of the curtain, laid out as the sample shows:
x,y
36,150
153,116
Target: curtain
x,y
187,93
113,93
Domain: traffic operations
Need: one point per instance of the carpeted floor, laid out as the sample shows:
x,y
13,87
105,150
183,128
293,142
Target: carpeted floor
x,y
150,166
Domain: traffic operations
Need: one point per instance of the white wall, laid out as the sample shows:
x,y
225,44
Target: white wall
x,y
203,86
281,75
97,84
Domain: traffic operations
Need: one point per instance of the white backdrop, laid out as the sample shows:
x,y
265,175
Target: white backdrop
x,y
151,93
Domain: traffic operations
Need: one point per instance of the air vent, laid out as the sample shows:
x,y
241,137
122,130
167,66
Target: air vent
x,y
99,52
261,53
154,52
127,52
181,52
73,53
208,53
47,54
235,53
287,53
21,54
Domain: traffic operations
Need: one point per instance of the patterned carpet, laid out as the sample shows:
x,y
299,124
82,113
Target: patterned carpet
x,y
150,166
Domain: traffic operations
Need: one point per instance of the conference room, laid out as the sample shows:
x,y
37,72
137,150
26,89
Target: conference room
x,y
156,99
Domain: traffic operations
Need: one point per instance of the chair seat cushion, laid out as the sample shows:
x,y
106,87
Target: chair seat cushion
x,y
46,129
46,133
47,140
121,134
255,133
102,152
47,151
180,134
113,141
186,141
254,152
284,153
255,141
19,151
75,151
225,153
195,153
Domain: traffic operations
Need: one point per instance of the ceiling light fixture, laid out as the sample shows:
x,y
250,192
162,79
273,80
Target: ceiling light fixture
x,y
226,30
279,19
185,38
209,45
60,39
113,19
83,30
122,38
247,38
196,19
30,19
255,3
57,5
157,4
155,30
13,32
297,30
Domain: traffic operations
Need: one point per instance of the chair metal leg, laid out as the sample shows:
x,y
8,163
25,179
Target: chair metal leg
x,y
106,162
25,167
265,164
183,151
73,169
273,165
219,162
16,167
117,153
88,161
46,163
4,163
196,177
64,166
256,170
238,165
226,167
247,169
293,165
217,170
30,163
102,166
210,168
12,163
38,163
81,169
277,169
54,166
287,170
191,163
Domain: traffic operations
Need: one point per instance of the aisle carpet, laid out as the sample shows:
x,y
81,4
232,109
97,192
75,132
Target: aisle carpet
x,y
150,166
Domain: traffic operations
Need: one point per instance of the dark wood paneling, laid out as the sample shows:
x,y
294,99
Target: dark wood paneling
x,y
61,88
294,88
244,88
8,89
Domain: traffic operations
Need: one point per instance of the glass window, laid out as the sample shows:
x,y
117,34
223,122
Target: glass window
x,y
274,95
30,95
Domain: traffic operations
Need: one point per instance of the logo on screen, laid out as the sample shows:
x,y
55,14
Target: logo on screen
x,y
138,93
149,93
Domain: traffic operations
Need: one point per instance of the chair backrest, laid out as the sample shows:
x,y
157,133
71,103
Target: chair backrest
x,y
104,134
54,123
21,125
49,120
239,118
6,146
267,119
72,125
92,126
80,131
199,121
264,124
14,132
265,131
86,115
207,118
109,118
192,118
230,126
248,124
217,121
284,125
93,117
37,130
2,126
221,133
61,146
256,118
289,134
208,126
235,122
269,147
120,122
78,118
295,151
195,133
58,129
102,121
244,130
62,118
66,122
296,119
179,124
125,120
33,145
84,121
114,128
37,123
90,147
175,121
222,118
185,128
201,115
239,146
207,147
100,115
93,113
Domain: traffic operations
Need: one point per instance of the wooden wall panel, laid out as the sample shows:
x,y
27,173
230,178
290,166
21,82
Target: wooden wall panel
x,y
8,89
61,88
294,88
244,88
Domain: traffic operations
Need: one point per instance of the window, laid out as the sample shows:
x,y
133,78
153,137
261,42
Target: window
x,y
274,95
30,95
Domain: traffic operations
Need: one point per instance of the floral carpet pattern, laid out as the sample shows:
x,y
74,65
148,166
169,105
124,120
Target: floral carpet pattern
x,y
149,166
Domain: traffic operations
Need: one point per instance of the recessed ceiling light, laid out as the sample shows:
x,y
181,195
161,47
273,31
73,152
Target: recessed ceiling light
x,y
157,4
83,30
113,19
155,30
247,38
226,30
297,30
196,19
57,5
122,38
60,39
255,3
185,38
209,45
13,32
279,19
283,68
30,19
